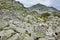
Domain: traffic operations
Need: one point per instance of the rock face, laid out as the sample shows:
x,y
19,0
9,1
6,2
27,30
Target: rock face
x,y
20,23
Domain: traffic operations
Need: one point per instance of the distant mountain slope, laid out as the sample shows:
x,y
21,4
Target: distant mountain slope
x,y
42,7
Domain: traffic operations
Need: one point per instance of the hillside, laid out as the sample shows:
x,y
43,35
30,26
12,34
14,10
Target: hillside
x,y
42,7
37,22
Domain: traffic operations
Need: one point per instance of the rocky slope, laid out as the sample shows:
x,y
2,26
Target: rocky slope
x,y
20,23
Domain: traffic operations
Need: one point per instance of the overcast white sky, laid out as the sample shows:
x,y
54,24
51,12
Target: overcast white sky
x,y
54,3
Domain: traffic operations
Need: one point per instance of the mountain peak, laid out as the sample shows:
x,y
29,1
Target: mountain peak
x,y
42,7
39,7
39,4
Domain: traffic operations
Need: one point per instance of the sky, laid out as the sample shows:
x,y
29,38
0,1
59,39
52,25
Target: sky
x,y
53,3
